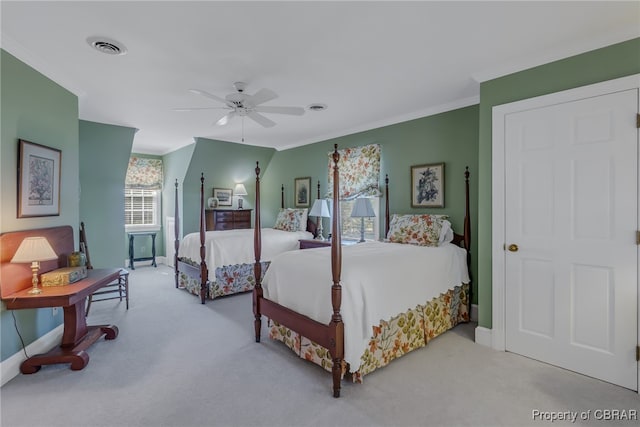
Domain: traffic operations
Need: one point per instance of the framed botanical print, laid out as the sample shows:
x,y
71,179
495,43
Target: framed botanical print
x,y
224,196
427,186
38,180
302,190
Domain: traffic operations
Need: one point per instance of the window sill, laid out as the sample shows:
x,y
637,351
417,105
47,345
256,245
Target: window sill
x,y
136,228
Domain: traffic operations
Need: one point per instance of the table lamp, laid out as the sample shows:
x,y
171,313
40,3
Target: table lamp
x,y
34,250
321,210
362,209
240,191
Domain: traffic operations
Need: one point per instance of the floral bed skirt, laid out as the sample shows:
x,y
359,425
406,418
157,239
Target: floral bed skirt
x,y
391,338
230,279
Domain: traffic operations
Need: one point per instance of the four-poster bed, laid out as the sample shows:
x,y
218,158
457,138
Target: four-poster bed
x,y
217,263
314,322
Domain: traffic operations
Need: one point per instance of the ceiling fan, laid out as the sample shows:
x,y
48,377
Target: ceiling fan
x,y
244,105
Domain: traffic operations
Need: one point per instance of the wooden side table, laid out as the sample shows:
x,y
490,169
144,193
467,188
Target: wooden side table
x,y
309,244
77,336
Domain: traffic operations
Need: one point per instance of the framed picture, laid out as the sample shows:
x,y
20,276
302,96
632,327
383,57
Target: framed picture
x,y
38,180
302,189
224,196
427,186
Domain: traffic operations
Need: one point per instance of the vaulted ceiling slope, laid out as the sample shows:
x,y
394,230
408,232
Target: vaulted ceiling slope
x,y
371,63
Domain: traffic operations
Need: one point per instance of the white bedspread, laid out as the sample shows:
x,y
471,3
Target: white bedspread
x,y
232,247
379,281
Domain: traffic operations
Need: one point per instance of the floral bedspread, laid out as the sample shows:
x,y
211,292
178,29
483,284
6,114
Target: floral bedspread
x,y
391,338
230,279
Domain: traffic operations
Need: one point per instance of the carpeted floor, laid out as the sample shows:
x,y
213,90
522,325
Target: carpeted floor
x,y
179,363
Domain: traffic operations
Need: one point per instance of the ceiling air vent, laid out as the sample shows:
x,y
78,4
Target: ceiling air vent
x,y
108,46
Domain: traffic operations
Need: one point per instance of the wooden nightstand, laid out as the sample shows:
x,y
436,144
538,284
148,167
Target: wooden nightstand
x,y
227,219
308,244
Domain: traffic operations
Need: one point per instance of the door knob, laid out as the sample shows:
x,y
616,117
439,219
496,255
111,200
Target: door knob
x,y
513,247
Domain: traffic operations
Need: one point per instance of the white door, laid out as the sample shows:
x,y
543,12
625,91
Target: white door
x,y
571,208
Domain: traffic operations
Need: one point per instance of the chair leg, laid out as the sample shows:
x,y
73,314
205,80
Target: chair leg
x,y
89,299
126,290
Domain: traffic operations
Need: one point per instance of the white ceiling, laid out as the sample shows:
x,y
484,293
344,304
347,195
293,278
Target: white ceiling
x,y
372,63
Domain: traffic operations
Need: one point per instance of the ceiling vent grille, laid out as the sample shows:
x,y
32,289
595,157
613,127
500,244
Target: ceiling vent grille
x,y
108,46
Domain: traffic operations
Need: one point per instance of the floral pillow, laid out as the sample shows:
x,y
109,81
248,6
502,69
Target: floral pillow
x,y
288,220
422,230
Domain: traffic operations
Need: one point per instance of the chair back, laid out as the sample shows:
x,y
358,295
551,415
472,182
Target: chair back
x,y
84,248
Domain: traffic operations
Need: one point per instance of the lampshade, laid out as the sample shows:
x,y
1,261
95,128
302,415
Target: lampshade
x,y
320,208
240,190
34,249
362,208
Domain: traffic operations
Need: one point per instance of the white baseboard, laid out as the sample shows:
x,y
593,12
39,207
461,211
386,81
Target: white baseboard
x,y
10,367
474,312
483,336
159,260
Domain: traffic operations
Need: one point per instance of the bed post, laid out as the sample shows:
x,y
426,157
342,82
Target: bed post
x,y
257,247
386,205
467,234
176,229
281,194
336,339
204,273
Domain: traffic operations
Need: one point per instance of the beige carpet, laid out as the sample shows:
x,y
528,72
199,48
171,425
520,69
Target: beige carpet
x,y
179,363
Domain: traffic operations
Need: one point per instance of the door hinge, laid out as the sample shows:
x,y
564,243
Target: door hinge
x,y
638,121
637,237
638,353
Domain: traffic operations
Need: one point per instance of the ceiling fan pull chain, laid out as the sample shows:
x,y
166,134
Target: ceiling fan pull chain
x,y
242,128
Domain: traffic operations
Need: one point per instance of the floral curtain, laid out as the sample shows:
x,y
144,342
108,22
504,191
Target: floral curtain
x,y
144,173
359,172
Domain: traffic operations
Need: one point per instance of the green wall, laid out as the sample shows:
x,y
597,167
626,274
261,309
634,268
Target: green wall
x,y
175,166
450,137
224,164
614,61
38,110
104,157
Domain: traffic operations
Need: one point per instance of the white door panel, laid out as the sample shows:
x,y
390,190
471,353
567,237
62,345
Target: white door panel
x,y
571,288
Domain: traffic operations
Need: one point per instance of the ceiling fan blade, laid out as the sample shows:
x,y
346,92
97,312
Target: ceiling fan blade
x,y
261,96
199,108
208,95
295,111
262,120
225,119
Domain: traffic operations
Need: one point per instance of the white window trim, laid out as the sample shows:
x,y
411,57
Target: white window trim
x,y
156,226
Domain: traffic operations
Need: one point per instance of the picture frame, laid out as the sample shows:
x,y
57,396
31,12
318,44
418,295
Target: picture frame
x,y
224,196
302,192
427,186
38,180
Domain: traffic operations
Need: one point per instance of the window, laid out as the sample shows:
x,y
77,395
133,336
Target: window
x,y
351,226
141,209
142,194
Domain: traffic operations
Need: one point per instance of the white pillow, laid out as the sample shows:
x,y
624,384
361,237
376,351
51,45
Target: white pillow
x,y
446,232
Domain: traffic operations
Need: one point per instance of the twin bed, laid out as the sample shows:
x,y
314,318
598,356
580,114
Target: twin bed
x,y
356,308
212,264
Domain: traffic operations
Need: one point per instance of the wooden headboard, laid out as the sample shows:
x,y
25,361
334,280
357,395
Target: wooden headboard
x,y
15,277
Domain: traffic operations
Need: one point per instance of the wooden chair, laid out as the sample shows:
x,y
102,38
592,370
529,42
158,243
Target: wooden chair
x,y
116,290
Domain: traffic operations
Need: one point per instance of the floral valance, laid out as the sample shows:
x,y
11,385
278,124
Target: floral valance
x,y
359,172
144,173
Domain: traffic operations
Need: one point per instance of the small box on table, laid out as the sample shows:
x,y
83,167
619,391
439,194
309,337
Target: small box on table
x,y
63,276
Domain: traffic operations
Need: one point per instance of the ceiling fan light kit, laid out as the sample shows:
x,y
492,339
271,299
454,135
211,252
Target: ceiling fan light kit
x,y
242,104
